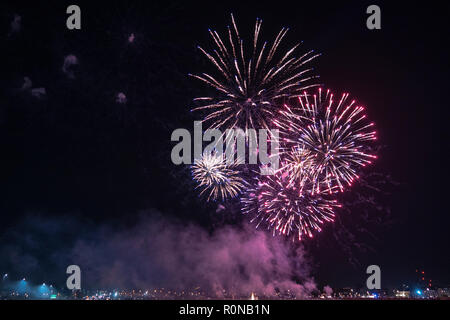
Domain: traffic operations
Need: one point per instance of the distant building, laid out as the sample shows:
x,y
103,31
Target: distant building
x,y
430,293
401,294
345,293
443,292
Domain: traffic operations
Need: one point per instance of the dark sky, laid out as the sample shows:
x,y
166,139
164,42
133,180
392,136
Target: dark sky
x,y
78,152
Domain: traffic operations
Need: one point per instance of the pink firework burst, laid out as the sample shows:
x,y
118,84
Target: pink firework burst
x,y
335,134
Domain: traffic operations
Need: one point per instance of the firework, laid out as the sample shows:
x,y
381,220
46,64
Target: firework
x,y
335,136
298,166
248,87
217,177
285,208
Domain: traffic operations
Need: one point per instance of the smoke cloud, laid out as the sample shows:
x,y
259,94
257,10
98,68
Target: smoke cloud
x,y
16,25
68,67
157,252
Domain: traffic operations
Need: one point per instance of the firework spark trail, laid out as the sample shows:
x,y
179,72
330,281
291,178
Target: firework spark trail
x,y
214,174
337,135
285,208
249,88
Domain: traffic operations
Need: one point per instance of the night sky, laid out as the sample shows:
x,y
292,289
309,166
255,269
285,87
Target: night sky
x,y
78,153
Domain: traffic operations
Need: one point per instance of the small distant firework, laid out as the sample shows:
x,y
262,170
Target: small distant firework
x,y
336,137
249,87
121,98
285,208
217,177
